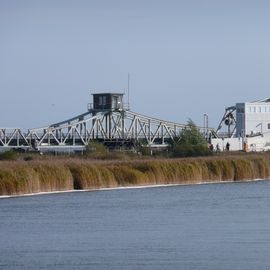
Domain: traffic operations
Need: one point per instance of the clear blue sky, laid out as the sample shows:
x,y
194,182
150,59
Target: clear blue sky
x,y
185,58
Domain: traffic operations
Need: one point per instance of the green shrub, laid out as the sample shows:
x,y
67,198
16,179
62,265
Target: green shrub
x,y
8,155
190,143
96,150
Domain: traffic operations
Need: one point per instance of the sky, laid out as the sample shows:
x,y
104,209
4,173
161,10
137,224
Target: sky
x,y
185,58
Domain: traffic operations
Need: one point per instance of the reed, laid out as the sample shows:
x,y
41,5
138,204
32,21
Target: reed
x,y
126,175
91,176
18,178
52,177
21,177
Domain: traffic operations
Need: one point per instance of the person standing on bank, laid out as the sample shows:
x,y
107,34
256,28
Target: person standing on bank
x,y
227,146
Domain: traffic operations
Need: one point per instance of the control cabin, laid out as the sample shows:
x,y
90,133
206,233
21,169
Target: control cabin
x,y
108,101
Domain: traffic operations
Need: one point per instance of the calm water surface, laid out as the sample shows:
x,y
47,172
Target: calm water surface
x,y
220,226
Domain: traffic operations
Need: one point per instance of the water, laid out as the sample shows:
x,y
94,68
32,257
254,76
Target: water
x,y
219,226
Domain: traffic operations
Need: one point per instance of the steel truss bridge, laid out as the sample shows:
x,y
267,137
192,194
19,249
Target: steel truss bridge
x,y
112,127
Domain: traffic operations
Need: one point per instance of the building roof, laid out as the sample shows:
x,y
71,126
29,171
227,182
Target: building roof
x,y
107,93
265,100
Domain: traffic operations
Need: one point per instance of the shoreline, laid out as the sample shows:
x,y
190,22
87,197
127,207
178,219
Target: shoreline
x,y
129,187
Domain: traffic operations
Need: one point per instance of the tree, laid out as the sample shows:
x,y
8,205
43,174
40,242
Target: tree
x,y
96,150
190,143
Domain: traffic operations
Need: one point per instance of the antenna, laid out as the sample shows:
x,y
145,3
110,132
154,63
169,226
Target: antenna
x,y
128,88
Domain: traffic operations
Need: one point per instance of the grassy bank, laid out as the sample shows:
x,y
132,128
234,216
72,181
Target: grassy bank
x,y
23,177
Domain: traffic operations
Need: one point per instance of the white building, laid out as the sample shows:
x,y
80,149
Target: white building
x,y
252,127
253,118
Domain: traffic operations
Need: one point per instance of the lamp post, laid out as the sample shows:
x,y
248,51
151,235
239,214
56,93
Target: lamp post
x,y
205,125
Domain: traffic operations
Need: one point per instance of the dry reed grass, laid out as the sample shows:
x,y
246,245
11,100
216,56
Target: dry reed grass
x,y
66,174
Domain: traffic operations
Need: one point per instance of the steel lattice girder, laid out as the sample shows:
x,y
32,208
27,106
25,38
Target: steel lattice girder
x,y
107,125
12,137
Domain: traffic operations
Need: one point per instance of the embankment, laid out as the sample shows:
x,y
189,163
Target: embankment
x,y
24,177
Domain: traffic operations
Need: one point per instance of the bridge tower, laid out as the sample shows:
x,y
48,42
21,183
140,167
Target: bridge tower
x,y
109,104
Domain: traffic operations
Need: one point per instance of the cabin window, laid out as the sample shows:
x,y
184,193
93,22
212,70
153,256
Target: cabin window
x,y
102,100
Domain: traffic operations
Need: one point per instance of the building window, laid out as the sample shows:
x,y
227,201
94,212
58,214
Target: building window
x,y
259,109
268,125
249,109
100,100
104,100
254,109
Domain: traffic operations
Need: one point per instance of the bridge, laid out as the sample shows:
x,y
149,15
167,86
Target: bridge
x,y
107,120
